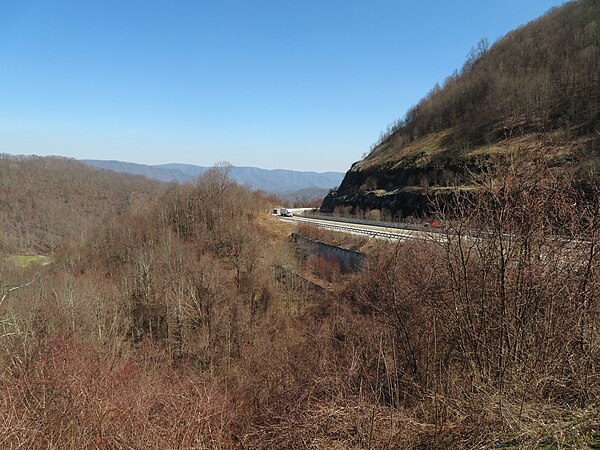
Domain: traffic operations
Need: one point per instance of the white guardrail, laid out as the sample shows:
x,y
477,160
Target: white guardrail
x,y
403,231
322,223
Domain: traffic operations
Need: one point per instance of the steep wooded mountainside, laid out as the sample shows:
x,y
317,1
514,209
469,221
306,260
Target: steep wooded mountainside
x,y
46,201
536,91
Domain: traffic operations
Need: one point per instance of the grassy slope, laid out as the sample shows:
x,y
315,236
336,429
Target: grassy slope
x,y
434,147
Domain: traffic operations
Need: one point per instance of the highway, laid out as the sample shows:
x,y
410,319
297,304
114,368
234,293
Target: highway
x,y
396,232
382,232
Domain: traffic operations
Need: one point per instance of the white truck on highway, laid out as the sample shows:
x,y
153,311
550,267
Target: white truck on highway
x,y
282,212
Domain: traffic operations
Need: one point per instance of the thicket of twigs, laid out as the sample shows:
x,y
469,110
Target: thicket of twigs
x,y
171,329
495,325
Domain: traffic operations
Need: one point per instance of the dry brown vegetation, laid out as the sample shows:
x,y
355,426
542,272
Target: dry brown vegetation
x,y
170,328
494,330
46,201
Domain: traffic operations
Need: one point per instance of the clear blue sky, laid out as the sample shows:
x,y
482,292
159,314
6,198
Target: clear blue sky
x,y
296,84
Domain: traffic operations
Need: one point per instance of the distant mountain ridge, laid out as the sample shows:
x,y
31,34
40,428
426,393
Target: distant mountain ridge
x,y
277,181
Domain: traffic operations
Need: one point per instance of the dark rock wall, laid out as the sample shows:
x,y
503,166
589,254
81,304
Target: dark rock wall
x,y
406,189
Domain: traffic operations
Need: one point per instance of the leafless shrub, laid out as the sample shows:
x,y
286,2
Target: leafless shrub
x,y
504,305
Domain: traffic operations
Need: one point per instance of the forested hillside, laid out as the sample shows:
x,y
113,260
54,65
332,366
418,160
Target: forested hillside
x,y
45,202
535,91
193,323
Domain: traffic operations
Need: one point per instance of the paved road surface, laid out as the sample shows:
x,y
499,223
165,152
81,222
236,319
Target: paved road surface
x,y
366,230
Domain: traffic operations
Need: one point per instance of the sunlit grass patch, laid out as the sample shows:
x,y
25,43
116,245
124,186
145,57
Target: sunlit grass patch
x,y
23,261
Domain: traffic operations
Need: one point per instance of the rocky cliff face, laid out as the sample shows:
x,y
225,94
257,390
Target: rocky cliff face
x,y
406,189
414,185
392,191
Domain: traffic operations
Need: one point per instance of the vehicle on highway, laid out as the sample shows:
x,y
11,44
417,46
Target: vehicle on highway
x,y
284,212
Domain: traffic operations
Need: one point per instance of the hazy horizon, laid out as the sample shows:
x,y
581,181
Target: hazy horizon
x,y
305,86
